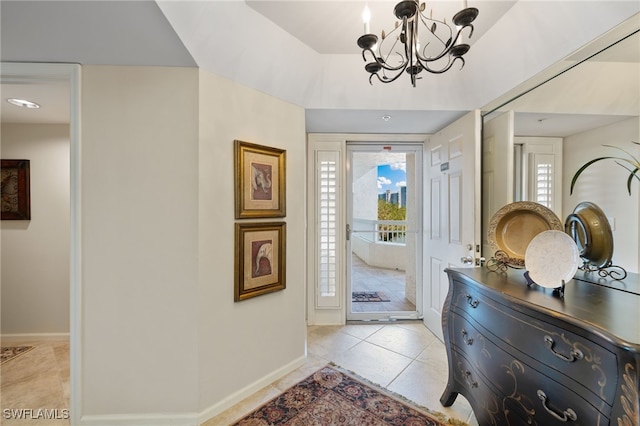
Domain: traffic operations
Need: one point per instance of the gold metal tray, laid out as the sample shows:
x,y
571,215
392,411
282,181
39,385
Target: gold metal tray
x,y
590,229
513,227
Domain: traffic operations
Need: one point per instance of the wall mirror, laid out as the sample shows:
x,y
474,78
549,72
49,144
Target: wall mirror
x,y
536,137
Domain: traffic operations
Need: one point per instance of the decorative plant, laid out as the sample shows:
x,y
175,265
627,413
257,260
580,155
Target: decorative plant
x,y
631,164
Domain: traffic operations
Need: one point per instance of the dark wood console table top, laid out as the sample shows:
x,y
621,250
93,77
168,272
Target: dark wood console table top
x,y
522,354
631,283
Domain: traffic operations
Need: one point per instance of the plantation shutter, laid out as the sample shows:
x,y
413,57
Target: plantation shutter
x,y
326,228
542,171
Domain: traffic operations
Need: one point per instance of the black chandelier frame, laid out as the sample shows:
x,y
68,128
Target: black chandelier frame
x,y
415,59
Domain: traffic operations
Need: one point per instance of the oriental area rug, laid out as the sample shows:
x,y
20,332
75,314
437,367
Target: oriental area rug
x,y
10,352
331,396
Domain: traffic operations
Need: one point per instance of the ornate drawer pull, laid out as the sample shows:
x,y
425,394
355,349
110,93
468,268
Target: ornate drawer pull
x,y
574,354
471,301
467,340
467,376
565,416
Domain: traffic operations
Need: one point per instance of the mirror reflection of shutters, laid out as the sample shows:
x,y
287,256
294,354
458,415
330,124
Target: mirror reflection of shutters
x,y
542,179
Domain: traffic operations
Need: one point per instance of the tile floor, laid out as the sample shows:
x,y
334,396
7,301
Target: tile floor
x,y
389,281
403,357
38,379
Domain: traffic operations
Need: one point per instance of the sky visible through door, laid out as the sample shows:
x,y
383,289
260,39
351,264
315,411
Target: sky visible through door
x,y
391,177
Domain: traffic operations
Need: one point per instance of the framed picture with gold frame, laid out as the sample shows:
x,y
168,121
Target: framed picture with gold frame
x,y
15,192
260,259
260,190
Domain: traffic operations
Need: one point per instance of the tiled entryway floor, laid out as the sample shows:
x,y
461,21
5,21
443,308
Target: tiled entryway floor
x,y
404,358
37,379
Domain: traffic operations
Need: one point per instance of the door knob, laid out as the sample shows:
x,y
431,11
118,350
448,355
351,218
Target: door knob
x,y
466,260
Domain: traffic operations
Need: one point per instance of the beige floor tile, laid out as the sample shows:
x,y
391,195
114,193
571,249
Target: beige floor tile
x,y
435,359
423,385
401,340
41,391
417,326
37,361
361,331
379,365
330,345
36,380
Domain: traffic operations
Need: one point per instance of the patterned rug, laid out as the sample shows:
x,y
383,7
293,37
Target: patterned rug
x,y
333,397
369,296
11,352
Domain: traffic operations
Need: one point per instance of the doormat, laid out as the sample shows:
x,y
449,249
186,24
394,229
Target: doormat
x,y
10,352
369,296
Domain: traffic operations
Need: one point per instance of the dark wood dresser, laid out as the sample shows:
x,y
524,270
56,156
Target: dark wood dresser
x,y
523,355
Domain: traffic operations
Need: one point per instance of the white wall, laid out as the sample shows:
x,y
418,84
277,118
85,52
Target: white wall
x,y
365,191
605,184
381,255
35,253
162,340
139,212
243,344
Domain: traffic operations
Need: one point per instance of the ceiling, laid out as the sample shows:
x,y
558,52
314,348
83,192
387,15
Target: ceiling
x,y
170,33
332,27
95,32
603,90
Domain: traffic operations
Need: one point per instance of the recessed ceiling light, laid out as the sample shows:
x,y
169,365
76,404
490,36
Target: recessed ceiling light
x,y
23,103
386,117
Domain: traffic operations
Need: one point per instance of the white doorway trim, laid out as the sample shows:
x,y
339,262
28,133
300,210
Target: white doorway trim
x,y
362,240
43,72
335,142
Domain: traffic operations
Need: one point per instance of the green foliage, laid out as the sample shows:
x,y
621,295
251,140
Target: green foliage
x,y
388,211
631,164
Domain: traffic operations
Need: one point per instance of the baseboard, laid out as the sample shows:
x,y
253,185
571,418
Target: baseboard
x,y
31,337
190,419
243,393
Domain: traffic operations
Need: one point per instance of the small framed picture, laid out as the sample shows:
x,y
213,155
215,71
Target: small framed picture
x,y
260,259
260,190
16,196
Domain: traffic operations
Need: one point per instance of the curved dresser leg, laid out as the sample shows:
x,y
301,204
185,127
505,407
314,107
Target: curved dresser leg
x,y
448,397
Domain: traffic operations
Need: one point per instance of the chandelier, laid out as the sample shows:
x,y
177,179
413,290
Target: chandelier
x,y
403,50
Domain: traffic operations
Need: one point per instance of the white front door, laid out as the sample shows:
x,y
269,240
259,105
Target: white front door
x,y
498,164
452,219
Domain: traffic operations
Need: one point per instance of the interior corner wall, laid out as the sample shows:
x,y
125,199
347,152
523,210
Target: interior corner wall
x,y
245,345
605,184
35,253
139,245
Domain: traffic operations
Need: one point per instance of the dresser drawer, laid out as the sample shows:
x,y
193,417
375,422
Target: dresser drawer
x,y
521,389
487,404
580,359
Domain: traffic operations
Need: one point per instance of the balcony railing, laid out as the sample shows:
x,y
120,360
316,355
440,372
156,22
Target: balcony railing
x,y
381,231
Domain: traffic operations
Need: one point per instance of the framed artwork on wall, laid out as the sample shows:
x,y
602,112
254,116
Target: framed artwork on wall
x,y
15,191
260,259
260,190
